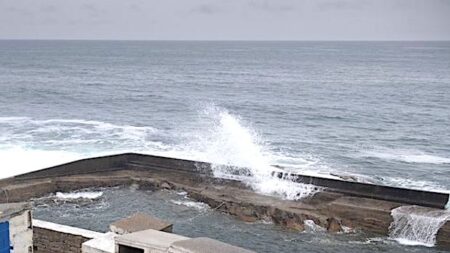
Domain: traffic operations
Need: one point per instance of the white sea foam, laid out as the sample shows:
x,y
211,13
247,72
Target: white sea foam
x,y
222,138
18,160
415,184
405,155
73,129
27,144
182,193
191,204
414,225
78,195
312,227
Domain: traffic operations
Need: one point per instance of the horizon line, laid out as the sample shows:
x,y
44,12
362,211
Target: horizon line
x,y
217,40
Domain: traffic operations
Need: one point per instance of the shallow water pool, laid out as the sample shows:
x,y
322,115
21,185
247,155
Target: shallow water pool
x,y
101,207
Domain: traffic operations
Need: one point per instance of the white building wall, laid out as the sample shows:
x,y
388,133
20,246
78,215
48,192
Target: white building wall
x,y
21,232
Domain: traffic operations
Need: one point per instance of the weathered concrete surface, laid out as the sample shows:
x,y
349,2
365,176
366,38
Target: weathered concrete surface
x,y
152,240
139,222
101,244
203,245
331,210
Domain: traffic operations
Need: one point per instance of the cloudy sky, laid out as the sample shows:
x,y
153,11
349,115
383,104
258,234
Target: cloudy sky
x,y
226,19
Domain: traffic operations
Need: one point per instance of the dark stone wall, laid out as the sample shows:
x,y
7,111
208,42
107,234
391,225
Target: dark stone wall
x,y
49,241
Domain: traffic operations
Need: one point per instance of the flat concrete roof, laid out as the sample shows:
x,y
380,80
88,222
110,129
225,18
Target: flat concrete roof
x,y
104,243
9,210
149,239
205,245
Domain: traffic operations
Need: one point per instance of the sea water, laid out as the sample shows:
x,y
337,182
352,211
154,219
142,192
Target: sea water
x,y
195,219
376,111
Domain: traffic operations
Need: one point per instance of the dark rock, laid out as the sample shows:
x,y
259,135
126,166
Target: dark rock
x,y
295,225
334,225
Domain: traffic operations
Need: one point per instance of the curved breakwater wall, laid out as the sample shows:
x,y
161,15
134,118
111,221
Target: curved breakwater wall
x,y
341,203
133,161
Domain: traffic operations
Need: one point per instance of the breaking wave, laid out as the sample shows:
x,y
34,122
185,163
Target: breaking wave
x,y
216,136
407,156
17,160
219,137
240,153
27,144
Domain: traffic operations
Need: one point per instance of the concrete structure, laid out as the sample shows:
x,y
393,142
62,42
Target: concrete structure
x,y
147,241
139,222
365,190
55,238
152,241
18,217
139,162
101,244
204,245
341,203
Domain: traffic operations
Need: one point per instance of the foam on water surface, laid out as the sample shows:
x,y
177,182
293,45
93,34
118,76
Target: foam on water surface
x,y
17,160
312,227
406,155
191,204
222,138
414,225
236,150
78,195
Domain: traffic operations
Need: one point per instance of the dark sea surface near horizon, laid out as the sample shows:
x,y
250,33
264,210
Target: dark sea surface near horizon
x,y
377,111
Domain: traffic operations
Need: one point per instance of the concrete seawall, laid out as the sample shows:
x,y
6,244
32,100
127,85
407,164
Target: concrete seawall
x,y
355,205
54,238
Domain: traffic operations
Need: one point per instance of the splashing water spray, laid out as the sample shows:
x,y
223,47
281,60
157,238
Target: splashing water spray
x,y
237,152
414,225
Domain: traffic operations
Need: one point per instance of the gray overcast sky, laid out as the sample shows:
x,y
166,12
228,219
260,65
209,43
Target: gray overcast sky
x,y
226,19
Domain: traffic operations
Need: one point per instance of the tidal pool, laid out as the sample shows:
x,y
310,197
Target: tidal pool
x,y
95,209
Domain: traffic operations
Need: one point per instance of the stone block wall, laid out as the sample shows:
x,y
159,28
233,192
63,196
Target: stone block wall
x,y
50,241
50,237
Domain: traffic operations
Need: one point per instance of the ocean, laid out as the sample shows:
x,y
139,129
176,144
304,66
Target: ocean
x,y
376,112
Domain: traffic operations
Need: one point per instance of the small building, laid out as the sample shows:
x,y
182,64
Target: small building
x,y
16,228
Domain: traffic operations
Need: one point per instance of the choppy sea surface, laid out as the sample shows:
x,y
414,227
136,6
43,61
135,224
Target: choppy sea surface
x,y
376,111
